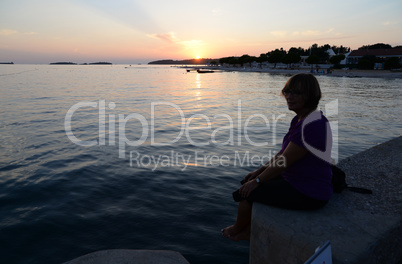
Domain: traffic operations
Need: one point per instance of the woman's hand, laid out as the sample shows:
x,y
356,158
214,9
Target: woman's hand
x,y
247,188
249,177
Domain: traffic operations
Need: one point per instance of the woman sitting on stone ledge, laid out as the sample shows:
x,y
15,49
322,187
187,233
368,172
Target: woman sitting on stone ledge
x,y
299,176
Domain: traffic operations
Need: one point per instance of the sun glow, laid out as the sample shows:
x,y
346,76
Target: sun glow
x,y
198,57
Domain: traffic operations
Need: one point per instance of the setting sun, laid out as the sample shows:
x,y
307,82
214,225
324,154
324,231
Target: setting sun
x,y
124,31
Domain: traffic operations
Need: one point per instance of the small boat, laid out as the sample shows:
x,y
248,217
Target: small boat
x,y
204,71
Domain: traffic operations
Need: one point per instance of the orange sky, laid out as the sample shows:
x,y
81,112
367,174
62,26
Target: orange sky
x,y
127,31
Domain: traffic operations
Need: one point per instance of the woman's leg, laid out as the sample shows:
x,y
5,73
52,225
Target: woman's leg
x,y
279,193
276,192
243,220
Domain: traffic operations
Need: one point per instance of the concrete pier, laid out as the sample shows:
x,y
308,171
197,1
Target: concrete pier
x,y
362,228
127,256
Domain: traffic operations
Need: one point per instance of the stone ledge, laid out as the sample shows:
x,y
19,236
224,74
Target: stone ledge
x,y
127,256
284,236
361,228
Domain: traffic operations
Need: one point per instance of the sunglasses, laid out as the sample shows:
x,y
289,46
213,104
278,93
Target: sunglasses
x,y
291,92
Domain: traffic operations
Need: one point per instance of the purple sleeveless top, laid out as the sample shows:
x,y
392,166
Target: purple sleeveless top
x,y
312,175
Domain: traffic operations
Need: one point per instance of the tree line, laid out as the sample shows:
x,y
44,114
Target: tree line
x,y
315,55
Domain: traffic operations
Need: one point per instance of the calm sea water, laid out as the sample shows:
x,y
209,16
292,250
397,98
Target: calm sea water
x,y
134,190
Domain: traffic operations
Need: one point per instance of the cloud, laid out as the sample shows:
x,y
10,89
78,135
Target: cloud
x,y
191,43
168,37
216,12
307,33
312,32
171,38
7,32
301,33
389,23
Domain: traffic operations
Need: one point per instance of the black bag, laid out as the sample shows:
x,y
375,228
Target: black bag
x,y
339,182
338,179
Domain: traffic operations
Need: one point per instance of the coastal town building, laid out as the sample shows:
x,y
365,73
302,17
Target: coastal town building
x,y
331,52
356,55
343,62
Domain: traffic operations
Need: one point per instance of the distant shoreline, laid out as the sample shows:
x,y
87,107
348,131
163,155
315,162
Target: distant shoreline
x,y
73,63
334,72
183,62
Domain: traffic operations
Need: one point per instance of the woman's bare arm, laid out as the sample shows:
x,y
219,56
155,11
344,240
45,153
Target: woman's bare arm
x,y
257,172
291,155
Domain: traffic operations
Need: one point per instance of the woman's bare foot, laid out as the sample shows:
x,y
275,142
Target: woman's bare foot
x,y
243,235
230,231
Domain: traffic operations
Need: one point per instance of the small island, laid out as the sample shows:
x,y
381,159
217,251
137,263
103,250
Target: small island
x,y
100,63
63,63
7,62
73,63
